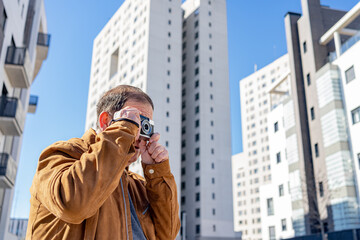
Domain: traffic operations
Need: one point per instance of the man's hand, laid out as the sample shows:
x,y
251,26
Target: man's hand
x,y
129,113
153,152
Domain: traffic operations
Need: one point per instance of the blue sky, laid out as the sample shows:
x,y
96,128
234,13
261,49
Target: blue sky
x,y
255,35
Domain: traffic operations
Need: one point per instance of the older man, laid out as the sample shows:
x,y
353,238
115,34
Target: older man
x,y
83,189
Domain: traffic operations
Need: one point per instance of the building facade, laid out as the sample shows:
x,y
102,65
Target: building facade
x,y
177,53
256,165
24,44
324,184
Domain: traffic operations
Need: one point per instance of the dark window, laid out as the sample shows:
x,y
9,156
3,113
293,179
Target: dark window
x,y
196,71
183,105
197,197
312,113
183,92
183,143
210,24
183,80
169,46
183,130
212,151
211,97
197,123
281,190
278,157
183,200
196,35
169,34
169,22
197,109
197,181
184,45
183,157
210,47
305,47
197,151
321,189
214,228
184,34
210,71
168,86
213,195
213,165
212,136
168,73
167,114
183,171
213,211
197,229
169,10
197,165
183,117
196,96
270,206
316,146
276,127
196,83
197,137
167,100
272,233
184,56
197,212
283,224
355,115
211,83
197,58
350,74
211,109
210,59
196,23
213,180
212,123
168,59
167,128
183,185
196,47
184,23
308,79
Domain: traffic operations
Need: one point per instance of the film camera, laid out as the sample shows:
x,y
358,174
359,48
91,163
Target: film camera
x,y
146,128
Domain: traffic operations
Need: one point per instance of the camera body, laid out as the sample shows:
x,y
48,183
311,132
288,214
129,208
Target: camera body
x,y
146,128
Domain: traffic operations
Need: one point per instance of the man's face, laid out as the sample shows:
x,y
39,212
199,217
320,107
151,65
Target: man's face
x,y
145,110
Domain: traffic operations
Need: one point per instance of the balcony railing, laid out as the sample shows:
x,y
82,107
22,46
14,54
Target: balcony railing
x,y
11,116
43,39
17,66
33,103
8,170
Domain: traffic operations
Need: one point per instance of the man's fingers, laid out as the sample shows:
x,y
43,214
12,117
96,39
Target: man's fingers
x,y
155,137
162,156
151,147
157,151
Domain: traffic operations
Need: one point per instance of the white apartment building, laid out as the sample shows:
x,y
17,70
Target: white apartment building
x,y
255,107
206,192
275,198
24,44
141,46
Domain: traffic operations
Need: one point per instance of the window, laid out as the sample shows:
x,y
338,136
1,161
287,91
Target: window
x,y
197,197
196,23
169,34
169,22
281,190
308,79
196,71
168,86
270,206
213,165
196,96
213,195
214,228
183,117
183,157
321,189
183,104
312,113
197,212
183,185
210,71
355,115
197,165
168,59
196,35
272,233
197,181
196,83
212,136
276,127
197,151
183,68
197,58
183,130
184,45
196,47
316,146
211,83
212,151
183,143
210,59
197,123
184,34
213,180
197,137
183,80
213,211
350,74
167,128
169,46
197,109
305,47
169,10
167,99
211,97
278,157
183,200
183,171
283,224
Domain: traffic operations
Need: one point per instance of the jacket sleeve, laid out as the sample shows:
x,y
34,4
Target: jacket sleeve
x,y
73,184
162,195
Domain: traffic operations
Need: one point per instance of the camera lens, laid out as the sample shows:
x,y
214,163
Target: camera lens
x,y
146,128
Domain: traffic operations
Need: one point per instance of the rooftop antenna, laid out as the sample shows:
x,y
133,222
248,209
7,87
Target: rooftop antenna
x,y
255,67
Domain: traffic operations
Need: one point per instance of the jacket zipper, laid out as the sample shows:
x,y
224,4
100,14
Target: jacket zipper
x,y
127,230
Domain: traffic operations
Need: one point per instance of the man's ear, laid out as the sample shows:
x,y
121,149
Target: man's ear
x,y
104,120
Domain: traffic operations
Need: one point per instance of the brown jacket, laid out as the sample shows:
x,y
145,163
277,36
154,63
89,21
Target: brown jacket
x,y
80,190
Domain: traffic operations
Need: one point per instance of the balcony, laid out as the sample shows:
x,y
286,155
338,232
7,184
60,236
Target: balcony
x,y
8,170
42,49
18,67
33,103
11,116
